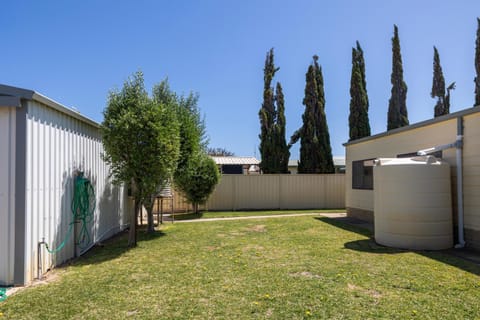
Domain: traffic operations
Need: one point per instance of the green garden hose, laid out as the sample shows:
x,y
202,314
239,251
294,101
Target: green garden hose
x,y
3,294
83,207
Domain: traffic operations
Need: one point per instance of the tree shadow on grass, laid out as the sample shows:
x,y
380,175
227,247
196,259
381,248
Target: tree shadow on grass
x,y
451,257
115,247
185,216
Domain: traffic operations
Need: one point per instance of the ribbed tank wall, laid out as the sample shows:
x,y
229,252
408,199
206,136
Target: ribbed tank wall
x,y
7,194
58,146
413,205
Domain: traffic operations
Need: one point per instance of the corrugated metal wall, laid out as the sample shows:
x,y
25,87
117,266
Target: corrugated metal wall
x,y
7,194
272,191
58,146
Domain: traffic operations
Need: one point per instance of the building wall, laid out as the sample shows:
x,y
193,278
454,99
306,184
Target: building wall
x,y
359,203
58,146
7,194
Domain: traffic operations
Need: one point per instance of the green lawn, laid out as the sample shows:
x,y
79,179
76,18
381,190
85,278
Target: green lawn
x,y
228,214
289,268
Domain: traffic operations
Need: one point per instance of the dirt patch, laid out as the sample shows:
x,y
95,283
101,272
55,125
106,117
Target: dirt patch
x,y
257,228
211,248
252,247
369,292
306,274
49,277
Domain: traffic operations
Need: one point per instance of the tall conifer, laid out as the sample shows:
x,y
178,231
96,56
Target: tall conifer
x,y
315,149
442,105
282,149
397,106
358,119
438,85
274,150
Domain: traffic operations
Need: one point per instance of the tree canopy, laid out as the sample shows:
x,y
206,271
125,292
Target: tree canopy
x,y
141,142
358,119
397,106
274,150
315,149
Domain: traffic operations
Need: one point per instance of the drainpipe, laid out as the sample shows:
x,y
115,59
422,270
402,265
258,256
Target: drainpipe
x,y
458,145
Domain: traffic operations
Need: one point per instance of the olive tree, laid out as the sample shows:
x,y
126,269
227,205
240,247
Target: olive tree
x,y
141,142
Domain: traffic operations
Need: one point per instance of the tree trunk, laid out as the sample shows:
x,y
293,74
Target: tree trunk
x,y
132,234
195,208
149,206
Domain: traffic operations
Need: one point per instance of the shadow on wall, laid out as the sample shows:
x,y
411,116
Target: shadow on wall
x,y
370,246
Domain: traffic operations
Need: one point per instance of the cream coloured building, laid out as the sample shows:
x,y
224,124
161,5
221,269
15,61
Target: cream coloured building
x,y
407,141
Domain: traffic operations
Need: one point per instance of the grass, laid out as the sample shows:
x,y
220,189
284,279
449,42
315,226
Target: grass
x,y
291,268
228,214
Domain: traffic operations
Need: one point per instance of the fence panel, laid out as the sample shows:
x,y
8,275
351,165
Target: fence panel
x,y
273,191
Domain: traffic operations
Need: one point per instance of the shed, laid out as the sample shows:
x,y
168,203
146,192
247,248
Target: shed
x,y
237,165
44,144
406,142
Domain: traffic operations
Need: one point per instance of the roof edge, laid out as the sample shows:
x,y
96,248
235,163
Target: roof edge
x,y
417,125
61,108
11,94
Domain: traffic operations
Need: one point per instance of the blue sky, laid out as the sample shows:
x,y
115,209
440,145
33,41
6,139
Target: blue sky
x,y
75,52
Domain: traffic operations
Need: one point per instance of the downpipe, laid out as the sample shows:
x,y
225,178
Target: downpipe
x,y
460,213
458,145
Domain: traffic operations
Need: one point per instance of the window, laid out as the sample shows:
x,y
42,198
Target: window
x,y
362,174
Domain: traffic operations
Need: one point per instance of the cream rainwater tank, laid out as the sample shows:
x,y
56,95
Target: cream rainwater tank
x,y
413,203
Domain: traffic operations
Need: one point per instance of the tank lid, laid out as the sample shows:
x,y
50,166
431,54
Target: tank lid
x,y
420,160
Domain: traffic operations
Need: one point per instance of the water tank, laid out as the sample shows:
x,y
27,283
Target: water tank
x,y
413,203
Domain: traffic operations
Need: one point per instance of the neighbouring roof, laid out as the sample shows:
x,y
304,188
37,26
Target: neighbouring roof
x,y
446,117
338,161
235,160
12,96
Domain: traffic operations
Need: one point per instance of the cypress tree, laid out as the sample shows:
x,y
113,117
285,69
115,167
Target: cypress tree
x,y
397,106
274,150
442,106
358,119
438,85
315,149
283,151
477,65
322,134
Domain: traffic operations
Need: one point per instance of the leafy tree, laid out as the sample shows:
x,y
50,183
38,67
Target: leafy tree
x,y
477,65
397,106
219,152
273,146
140,138
315,149
196,174
199,179
358,119
442,106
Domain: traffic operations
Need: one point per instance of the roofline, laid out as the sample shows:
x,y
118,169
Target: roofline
x,y
11,94
417,125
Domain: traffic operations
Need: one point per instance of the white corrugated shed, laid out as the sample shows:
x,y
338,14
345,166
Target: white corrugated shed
x,y
7,193
52,144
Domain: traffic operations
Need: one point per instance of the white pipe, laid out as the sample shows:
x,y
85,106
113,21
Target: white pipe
x,y
459,146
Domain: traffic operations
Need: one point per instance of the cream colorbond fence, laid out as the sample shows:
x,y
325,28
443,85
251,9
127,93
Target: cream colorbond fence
x,y
276,191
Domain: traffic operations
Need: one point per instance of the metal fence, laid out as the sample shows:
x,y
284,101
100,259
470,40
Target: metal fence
x,y
273,191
